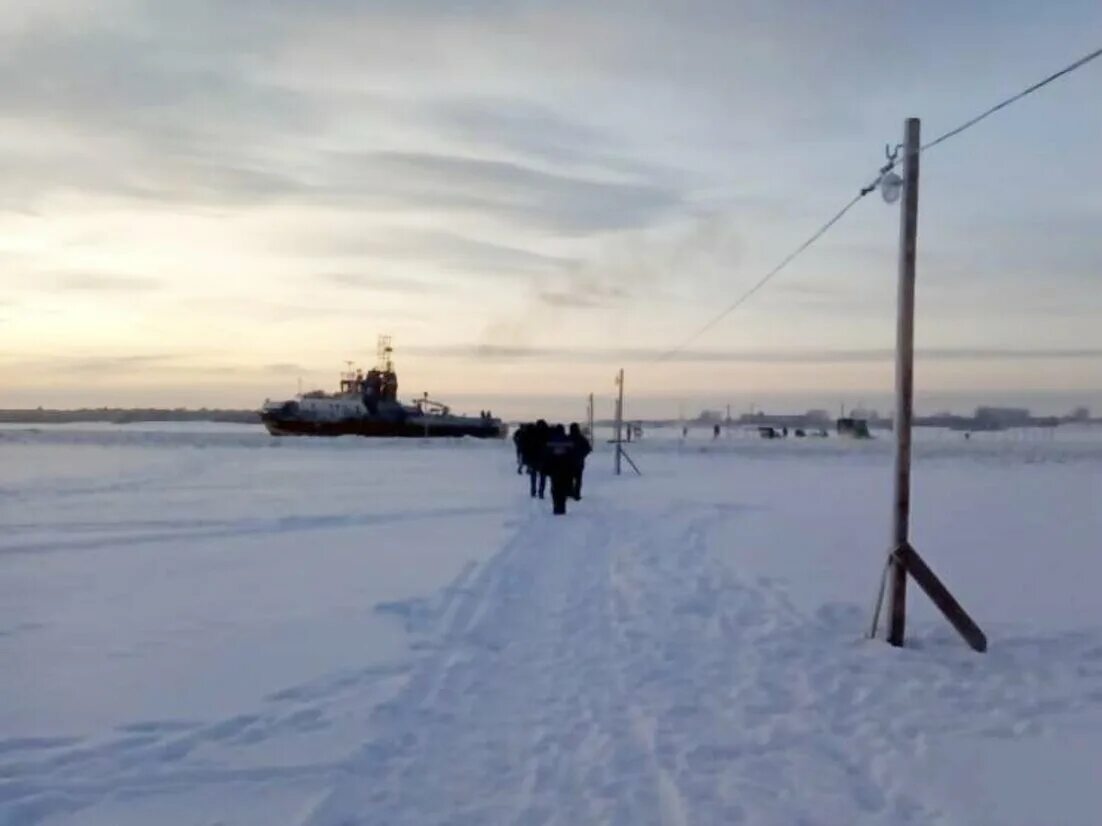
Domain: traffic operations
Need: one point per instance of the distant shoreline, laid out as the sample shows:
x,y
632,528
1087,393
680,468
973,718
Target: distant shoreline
x,y
129,415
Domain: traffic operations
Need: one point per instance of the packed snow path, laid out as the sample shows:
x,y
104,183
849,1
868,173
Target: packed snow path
x,y
628,664
609,668
605,668
589,675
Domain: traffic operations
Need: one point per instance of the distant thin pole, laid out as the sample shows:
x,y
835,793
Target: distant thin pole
x,y
619,418
589,417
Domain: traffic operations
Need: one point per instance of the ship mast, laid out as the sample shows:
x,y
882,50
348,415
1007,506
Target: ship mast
x,y
385,370
384,355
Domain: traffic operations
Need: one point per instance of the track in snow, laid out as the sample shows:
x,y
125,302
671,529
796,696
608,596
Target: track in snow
x,y
611,667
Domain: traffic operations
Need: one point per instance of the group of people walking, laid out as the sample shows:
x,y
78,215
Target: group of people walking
x,y
547,451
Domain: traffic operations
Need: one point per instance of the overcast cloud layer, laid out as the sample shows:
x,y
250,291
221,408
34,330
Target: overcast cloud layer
x,y
527,194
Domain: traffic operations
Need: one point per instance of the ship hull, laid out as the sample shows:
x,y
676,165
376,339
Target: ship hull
x,y
374,428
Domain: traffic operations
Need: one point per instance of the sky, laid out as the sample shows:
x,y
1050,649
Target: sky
x,y
209,203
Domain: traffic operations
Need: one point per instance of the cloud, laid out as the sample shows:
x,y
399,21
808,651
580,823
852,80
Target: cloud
x,y
571,301
121,362
510,192
585,291
518,125
839,356
103,282
286,312
1005,354
126,108
152,110
144,365
607,155
440,248
381,283
526,130
284,368
99,365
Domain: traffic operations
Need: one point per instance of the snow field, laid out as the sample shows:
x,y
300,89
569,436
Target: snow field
x,y
214,627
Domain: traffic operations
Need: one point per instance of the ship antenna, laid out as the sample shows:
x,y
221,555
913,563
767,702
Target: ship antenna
x,y
384,352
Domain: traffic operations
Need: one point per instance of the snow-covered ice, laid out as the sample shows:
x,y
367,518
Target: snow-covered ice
x,y
203,625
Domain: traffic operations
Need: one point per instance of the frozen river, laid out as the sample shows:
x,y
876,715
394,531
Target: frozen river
x,y
201,624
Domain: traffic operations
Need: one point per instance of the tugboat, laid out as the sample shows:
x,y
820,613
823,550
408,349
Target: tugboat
x,y
367,405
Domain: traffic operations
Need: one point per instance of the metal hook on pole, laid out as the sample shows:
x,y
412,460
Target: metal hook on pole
x,y
891,154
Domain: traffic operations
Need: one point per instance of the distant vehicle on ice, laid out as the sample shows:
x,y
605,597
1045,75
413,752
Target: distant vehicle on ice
x,y
854,428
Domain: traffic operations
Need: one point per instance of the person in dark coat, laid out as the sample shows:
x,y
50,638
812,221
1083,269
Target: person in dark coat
x,y
533,450
558,463
582,448
519,435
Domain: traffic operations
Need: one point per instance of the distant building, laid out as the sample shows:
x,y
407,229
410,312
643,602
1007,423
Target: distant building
x,y
1000,417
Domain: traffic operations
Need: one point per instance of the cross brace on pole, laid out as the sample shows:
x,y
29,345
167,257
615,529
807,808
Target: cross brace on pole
x,y
624,453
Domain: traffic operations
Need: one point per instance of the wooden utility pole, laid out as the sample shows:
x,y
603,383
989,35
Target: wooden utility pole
x,y
904,378
904,559
619,418
621,454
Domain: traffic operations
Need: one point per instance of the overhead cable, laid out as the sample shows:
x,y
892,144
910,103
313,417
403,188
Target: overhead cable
x,y
865,190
